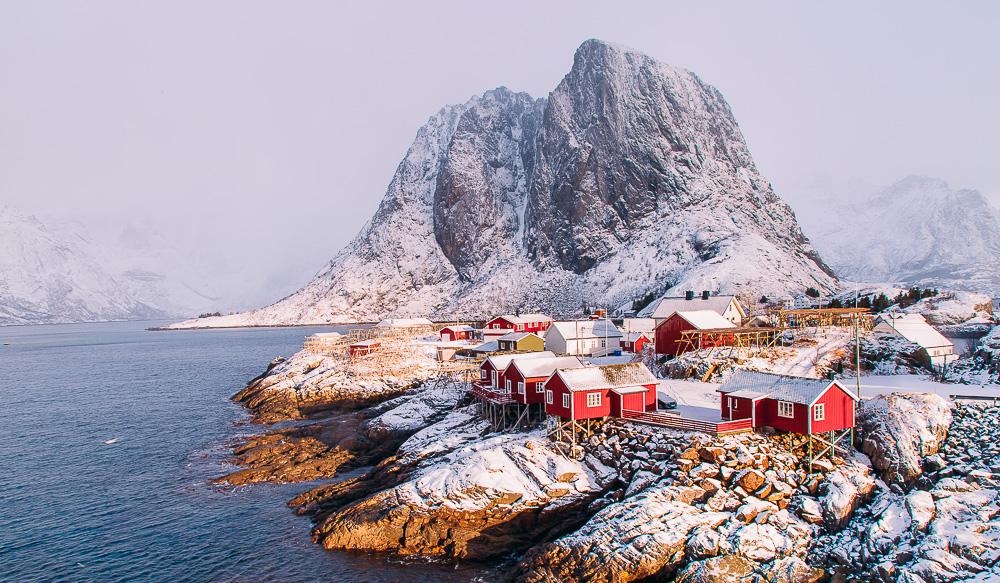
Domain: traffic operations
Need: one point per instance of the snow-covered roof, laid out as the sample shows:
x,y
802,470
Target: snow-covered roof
x,y
608,376
914,327
462,328
668,305
628,390
706,319
789,388
576,329
638,324
543,367
517,336
525,318
404,323
490,346
500,361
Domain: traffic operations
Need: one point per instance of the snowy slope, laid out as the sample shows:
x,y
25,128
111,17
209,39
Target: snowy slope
x,y
918,231
631,176
48,276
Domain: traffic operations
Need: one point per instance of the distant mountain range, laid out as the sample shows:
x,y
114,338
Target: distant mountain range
x,y
919,231
631,177
57,271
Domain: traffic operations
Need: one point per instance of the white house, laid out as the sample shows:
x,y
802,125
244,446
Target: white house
x,y
726,306
583,338
935,349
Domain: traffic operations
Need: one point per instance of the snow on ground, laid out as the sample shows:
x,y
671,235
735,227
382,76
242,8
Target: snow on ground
x,y
875,385
695,399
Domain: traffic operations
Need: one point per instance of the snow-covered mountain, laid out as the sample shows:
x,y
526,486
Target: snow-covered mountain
x,y
54,270
919,231
49,276
632,176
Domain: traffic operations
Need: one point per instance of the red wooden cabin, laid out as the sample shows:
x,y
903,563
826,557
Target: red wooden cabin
x,y
527,377
797,404
520,323
668,332
491,372
635,341
594,392
453,333
364,347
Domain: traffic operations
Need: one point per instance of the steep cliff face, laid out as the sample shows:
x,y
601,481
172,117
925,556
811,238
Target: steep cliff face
x,y
480,198
631,176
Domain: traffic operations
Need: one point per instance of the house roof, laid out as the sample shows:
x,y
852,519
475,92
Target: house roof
x,y
517,336
638,324
914,327
576,329
789,388
633,336
667,305
524,318
372,342
462,328
704,319
500,361
609,376
543,367
629,390
490,346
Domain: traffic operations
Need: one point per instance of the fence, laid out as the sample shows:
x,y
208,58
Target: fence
x,y
675,421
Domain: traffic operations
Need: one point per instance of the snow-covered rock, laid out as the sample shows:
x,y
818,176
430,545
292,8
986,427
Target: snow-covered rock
x,y
898,430
630,177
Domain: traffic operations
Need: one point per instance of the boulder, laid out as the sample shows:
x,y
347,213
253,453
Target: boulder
x,y
899,430
750,480
848,487
723,569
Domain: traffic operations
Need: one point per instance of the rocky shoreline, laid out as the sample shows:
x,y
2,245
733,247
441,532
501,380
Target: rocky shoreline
x,y
919,504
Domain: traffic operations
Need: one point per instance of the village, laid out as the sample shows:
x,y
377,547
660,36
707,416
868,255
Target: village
x,y
527,369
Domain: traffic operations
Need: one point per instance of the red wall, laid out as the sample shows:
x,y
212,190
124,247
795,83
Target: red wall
x,y
839,411
668,333
529,396
450,335
580,409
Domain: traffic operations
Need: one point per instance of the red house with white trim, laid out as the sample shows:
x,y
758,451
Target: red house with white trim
x,y
527,376
668,332
364,347
453,333
594,392
491,372
519,323
788,403
635,341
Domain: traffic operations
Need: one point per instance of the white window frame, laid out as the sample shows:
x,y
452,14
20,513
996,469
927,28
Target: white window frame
x,y
592,401
732,403
508,387
494,380
520,387
786,409
819,412
482,374
565,400
548,397
540,387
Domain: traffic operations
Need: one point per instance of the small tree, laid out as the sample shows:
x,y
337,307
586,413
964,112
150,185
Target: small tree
x,y
835,303
812,292
764,300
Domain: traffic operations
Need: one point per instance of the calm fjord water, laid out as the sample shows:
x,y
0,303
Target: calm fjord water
x,y
73,508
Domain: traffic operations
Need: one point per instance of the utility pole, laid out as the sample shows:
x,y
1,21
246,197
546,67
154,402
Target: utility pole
x,y
857,343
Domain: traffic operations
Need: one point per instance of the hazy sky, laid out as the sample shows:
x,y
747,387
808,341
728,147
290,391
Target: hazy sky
x,y
266,133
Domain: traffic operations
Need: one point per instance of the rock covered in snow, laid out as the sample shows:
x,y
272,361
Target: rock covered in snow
x,y
631,176
897,431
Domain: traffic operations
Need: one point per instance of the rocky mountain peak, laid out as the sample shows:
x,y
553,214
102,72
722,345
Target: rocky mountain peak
x,y
632,176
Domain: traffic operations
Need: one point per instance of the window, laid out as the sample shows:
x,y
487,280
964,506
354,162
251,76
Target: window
x,y
732,402
539,387
786,409
548,397
566,400
819,412
482,374
508,385
493,383
520,388
593,399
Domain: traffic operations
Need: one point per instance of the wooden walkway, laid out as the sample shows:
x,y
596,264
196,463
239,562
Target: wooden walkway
x,y
675,421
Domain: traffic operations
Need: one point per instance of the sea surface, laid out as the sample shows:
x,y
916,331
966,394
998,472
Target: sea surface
x,y
109,437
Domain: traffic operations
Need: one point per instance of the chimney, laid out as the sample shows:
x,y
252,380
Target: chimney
x,y
704,294
689,295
